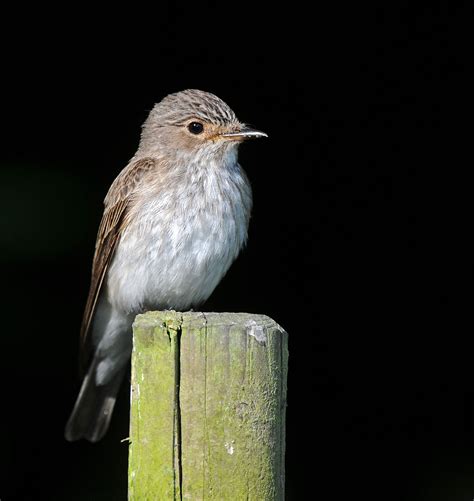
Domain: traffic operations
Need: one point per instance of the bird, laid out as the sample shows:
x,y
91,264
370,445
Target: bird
x,y
175,218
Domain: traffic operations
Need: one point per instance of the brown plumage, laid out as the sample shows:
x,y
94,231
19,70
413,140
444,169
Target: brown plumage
x,y
117,203
174,220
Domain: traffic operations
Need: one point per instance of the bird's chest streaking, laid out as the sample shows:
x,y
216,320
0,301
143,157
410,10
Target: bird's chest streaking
x,y
181,241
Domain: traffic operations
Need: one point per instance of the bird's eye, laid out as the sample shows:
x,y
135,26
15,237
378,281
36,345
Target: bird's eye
x,y
195,127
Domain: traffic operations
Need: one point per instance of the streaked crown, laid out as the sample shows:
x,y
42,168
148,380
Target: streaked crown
x,y
180,107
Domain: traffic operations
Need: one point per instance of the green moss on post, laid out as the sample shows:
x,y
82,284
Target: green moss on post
x,y
207,407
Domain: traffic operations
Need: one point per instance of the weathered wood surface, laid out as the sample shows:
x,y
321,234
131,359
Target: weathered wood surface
x,y
208,403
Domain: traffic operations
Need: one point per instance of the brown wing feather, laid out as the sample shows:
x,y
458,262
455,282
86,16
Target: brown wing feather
x,y
117,204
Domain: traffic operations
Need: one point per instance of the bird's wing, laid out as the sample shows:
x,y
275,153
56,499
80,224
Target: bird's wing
x,y
118,201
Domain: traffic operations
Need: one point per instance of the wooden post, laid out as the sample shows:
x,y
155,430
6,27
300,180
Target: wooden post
x,y
208,398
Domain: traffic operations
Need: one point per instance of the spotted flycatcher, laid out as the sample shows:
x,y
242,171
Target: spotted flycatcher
x,y
174,220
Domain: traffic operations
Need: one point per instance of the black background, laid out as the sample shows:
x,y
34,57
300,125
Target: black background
x,y
359,242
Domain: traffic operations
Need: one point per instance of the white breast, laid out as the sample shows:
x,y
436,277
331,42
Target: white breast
x,y
180,243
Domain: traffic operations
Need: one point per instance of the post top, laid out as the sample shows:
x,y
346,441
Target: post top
x,y
256,324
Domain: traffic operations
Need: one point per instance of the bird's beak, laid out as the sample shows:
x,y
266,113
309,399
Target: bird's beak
x,y
245,132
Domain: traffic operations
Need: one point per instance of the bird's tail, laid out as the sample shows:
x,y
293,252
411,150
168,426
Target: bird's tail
x,y
93,409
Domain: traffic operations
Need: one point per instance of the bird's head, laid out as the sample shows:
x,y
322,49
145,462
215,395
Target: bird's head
x,y
193,123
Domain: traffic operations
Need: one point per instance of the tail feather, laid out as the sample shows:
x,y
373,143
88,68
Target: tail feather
x,y
93,409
